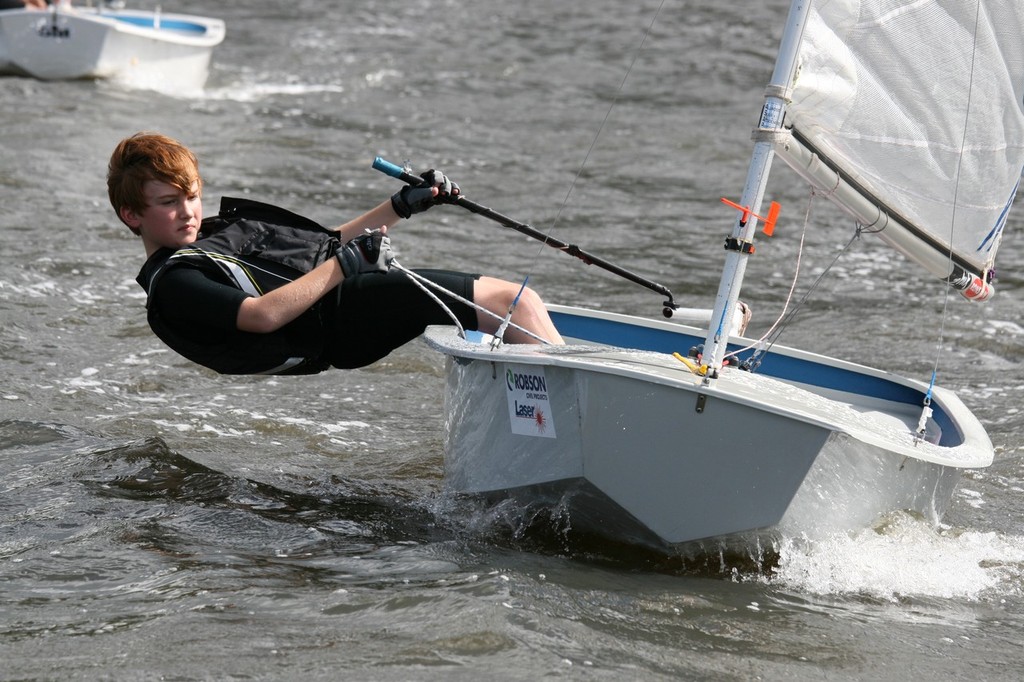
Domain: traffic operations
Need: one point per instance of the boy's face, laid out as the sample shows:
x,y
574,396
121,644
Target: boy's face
x,y
171,218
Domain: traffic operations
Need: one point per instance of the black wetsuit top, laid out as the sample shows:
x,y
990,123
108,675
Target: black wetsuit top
x,y
194,308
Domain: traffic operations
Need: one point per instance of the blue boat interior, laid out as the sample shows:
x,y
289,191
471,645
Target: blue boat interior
x,y
804,371
164,24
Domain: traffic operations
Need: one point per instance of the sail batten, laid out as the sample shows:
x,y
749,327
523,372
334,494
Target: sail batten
x,y
918,107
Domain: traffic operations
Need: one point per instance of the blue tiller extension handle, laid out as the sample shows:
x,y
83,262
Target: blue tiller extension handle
x,y
396,171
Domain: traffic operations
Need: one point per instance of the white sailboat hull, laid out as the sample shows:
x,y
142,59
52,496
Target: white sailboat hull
x,y
636,447
168,52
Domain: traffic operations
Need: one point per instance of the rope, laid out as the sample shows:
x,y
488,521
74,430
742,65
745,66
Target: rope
x,y
607,115
926,410
425,285
419,280
771,337
565,202
792,286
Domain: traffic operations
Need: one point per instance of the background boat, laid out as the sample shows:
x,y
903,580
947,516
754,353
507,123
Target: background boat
x,y
145,49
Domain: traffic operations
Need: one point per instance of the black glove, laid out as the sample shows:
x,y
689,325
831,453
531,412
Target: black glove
x,y
409,199
370,252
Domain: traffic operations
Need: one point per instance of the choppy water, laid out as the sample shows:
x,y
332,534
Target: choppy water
x,y
160,522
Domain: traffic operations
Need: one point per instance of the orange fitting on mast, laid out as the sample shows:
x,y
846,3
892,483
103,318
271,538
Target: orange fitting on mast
x,y
769,222
773,215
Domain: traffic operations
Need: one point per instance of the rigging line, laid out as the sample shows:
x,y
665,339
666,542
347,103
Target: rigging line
x,y
413,277
956,202
423,283
607,116
499,335
792,285
788,318
600,129
814,285
590,150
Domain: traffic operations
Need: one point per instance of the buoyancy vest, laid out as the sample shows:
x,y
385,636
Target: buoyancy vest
x,y
257,248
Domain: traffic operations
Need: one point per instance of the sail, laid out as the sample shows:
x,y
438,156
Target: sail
x,y
910,115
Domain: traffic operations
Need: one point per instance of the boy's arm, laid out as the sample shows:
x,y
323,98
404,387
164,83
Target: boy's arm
x,y
381,215
277,308
368,253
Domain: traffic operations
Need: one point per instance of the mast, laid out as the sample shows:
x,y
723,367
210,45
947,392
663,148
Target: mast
x,y
741,241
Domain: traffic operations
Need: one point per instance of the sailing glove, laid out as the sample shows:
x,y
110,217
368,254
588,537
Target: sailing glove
x,y
410,199
370,252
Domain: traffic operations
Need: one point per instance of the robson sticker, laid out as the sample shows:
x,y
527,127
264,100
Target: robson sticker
x,y
529,405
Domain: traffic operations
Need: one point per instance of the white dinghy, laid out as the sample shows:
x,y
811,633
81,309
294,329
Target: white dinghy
x,y
627,433
152,50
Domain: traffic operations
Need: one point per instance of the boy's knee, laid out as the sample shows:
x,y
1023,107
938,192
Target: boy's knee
x,y
533,300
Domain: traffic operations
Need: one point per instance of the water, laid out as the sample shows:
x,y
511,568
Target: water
x,y
160,522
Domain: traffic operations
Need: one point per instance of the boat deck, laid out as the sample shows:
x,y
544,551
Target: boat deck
x,y
953,436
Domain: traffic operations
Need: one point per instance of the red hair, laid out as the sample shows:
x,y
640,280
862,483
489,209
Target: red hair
x,y
148,156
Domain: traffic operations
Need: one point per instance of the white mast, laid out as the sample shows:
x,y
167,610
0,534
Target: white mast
x,y
776,96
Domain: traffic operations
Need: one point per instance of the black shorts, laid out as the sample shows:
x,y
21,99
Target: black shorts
x,y
375,314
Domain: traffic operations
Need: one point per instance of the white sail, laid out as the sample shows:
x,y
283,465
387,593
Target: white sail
x,y
910,114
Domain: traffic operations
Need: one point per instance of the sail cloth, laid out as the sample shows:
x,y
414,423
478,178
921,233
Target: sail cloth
x,y
910,115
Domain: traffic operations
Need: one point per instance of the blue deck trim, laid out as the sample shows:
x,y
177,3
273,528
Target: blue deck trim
x,y
808,372
165,24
